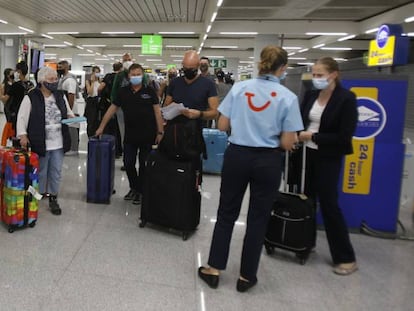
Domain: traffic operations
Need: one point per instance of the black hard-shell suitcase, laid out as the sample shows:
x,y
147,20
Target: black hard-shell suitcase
x,y
100,169
171,195
292,225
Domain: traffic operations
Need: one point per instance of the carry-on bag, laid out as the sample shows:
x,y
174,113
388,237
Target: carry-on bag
x,y
19,182
171,195
216,144
100,169
292,225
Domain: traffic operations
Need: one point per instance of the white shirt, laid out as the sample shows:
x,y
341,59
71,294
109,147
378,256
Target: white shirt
x,y
315,115
53,117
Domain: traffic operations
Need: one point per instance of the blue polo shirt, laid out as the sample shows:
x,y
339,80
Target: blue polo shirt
x,y
259,110
194,95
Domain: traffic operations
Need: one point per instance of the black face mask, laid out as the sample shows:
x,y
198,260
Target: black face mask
x,y
204,67
60,72
190,73
51,86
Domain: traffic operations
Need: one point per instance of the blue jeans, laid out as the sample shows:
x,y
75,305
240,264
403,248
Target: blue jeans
x,y
50,171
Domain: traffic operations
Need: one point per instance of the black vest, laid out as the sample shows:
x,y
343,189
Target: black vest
x,y
36,129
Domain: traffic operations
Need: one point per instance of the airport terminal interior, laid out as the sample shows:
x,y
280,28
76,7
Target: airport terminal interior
x,y
96,257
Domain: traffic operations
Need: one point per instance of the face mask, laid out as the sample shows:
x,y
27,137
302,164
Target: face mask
x,y
16,76
320,83
135,80
283,76
98,75
127,64
60,72
204,67
51,86
190,73
172,75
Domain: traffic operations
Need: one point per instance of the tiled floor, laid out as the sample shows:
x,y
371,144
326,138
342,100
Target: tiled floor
x,y
94,257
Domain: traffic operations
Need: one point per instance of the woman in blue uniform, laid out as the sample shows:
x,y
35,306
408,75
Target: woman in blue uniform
x,y
264,117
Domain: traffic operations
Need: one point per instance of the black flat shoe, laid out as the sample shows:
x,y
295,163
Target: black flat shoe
x,y
211,279
243,285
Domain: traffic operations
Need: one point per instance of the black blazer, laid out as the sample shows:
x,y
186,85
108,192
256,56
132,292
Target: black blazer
x,y
338,121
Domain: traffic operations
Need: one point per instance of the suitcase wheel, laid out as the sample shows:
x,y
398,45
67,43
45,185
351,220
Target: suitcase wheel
x,y
185,236
32,224
302,258
270,250
11,229
142,224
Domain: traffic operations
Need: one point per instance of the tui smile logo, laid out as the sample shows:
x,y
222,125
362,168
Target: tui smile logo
x,y
253,106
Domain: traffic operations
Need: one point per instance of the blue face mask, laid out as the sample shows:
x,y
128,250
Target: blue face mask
x,y
135,80
320,83
53,86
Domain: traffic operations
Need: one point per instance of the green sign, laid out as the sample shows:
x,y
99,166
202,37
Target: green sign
x,y
218,63
151,45
171,66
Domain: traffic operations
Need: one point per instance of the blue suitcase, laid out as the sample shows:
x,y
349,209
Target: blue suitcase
x,y
100,169
216,144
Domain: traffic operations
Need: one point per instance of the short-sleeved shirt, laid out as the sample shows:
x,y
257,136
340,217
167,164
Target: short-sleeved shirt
x,y
259,111
194,95
139,116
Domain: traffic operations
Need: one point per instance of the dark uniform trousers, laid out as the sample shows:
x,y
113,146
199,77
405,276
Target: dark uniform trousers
x,y
260,168
136,179
321,182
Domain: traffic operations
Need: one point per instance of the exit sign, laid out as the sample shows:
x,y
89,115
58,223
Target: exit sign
x,y
218,63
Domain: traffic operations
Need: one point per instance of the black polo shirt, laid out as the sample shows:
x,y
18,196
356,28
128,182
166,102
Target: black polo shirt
x,y
139,116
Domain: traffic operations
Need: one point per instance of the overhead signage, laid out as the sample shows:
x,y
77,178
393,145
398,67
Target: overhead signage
x,y
218,63
389,47
151,45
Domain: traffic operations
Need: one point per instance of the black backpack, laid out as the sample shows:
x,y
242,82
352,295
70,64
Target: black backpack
x,y
183,139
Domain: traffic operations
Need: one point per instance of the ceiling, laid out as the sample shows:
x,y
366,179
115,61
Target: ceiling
x,y
291,20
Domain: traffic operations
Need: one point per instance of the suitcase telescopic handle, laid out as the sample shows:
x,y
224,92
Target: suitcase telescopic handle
x,y
303,171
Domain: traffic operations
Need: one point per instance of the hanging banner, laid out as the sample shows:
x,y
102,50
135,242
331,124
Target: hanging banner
x,y
370,185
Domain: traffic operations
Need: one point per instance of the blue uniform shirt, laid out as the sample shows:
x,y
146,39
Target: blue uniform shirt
x,y
259,110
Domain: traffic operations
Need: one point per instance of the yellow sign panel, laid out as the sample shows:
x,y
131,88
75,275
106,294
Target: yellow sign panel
x,y
358,166
381,56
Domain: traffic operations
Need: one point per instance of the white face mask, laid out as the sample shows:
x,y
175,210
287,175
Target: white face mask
x,y
127,64
320,83
16,76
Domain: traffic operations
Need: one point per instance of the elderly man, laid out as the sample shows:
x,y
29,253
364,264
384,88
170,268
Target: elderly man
x,y
39,122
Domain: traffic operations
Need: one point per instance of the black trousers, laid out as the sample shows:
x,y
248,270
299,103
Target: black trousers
x,y
321,183
136,179
260,168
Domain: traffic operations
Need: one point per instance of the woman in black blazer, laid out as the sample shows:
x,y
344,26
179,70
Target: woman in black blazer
x,y
329,115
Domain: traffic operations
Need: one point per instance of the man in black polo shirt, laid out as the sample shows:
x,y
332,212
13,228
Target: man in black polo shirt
x,y
196,92
143,126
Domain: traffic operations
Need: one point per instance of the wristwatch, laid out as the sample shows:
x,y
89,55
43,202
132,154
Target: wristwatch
x,y
313,138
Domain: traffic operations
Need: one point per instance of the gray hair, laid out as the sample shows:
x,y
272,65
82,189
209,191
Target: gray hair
x,y
45,71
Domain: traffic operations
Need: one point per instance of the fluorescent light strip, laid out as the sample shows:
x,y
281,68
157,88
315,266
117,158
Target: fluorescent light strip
x,y
153,60
371,30
326,33
219,3
101,59
306,64
67,43
80,47
346,38
410,34
160,65
336,49
63,32
292,47
247,33
173,56
318,46
292,53
205,37
176,32
115,54
13,33
50,54
297,58
3,21
246,62
90,51
178,46
132,45
214,56
341,59
93,45
208,28
46,36
409,19
55,45
224,46
177,60
304,50
26,29
117,32
213,17
86,54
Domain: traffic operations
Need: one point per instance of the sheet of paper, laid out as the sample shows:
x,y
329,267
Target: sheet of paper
x,y
171,111
73,120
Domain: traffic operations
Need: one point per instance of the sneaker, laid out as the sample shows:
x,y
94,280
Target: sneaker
x,y
54,206
137,199
130,195
72,153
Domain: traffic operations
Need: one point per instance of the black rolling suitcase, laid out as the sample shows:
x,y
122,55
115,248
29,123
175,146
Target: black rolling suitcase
x,y
171,195
292,225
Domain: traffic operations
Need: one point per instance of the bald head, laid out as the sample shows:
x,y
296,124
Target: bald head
x,y
191,59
